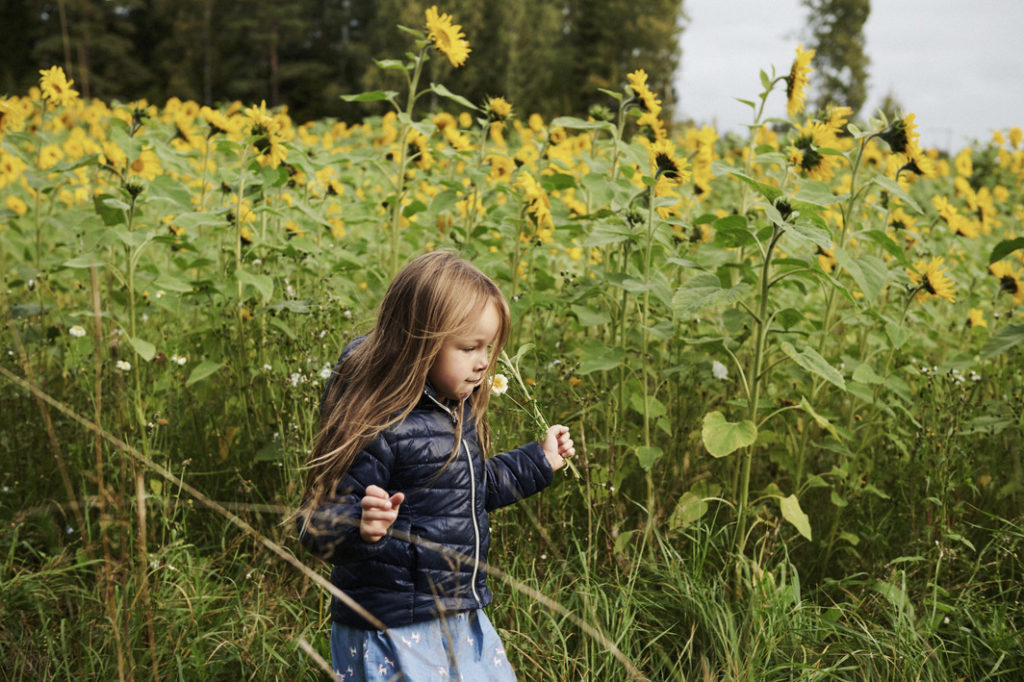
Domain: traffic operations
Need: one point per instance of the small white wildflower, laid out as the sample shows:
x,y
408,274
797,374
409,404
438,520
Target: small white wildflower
x,y
123,365
145,317
31,284
77,331
325,372
719,371
295,379
290,290
267,368
543,557
257,261
248,576
160,293
179,359
499,384
347,314
69,530
154,564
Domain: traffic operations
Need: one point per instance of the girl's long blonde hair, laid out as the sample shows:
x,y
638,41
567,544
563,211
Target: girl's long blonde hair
x,y
378,384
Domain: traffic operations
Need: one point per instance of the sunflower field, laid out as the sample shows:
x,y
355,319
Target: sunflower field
x,y
793,365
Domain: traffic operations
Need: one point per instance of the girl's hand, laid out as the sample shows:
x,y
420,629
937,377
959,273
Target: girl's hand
x,y
557,446
379,512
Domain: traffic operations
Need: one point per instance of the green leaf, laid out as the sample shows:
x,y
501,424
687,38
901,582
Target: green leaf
x,y
86,260
109,215
648,455
439,89
809,359
818,419
890,186
689,510
702,291
145,349
767,191
589,317
655,408
169,282
597,357
391,64
865,374
262,283
897,335
1005,248
202,370
817,193
791,511
580,124
174,191
374,96
1003,340
869,272
280,324
722,437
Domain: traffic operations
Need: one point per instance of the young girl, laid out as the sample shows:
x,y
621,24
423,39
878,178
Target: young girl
x,y
398,488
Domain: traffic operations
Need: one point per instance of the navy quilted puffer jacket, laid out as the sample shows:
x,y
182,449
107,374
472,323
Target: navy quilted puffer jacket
x,y
399,580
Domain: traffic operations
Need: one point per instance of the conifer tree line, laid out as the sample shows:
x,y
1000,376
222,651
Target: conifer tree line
x,y
545,56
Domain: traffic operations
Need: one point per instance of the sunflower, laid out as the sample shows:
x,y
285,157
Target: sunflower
x,y
539,203
917,161
1016,136
448,37
665,163
502,167
931,280
266,128
146,165
797,81
901,134
498,109
418,148
963,163
805,154
976,318
56,87
16,204
1009,280
638,84
218,122
826,259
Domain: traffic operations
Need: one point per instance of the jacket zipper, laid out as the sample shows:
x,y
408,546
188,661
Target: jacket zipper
x,y
472,501
476,525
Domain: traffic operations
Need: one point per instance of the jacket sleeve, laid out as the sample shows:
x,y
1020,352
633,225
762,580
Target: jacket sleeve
x,y
513,475
332,532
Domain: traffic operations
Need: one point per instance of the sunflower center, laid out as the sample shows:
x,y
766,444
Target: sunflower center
x,y
927,284
1009,283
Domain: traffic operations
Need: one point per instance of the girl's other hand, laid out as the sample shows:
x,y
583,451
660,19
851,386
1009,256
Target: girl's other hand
x,y
557,446
379,512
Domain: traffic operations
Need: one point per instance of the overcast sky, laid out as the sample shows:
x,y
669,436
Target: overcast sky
x,y
956,64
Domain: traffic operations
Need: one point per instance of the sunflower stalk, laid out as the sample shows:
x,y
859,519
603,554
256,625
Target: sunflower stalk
x,y
529,404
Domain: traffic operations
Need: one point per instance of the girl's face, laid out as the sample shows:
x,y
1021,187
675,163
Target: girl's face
x,y
462,363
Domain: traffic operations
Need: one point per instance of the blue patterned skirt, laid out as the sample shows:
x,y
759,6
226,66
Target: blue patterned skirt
x,y
462,646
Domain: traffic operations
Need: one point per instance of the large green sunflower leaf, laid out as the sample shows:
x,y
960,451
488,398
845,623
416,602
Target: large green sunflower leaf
x,y
1005,248
811,360
722,437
